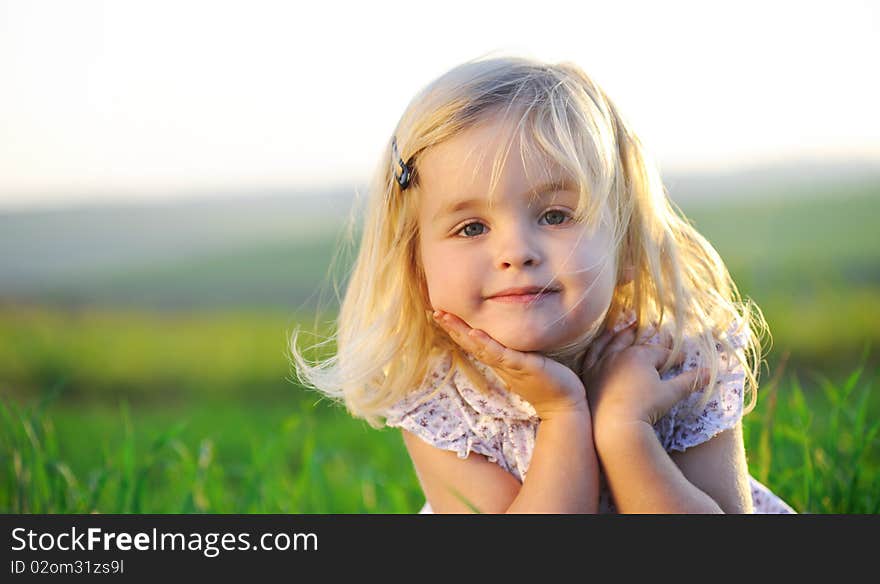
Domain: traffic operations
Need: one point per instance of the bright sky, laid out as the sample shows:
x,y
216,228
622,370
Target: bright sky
x,y
136,99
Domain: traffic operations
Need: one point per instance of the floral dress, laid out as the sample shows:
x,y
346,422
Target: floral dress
x,y
502,426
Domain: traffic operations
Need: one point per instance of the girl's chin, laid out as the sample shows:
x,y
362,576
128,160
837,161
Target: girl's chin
x,y
524,343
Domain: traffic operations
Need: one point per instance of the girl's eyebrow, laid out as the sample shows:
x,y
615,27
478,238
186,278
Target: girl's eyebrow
x,y
540,190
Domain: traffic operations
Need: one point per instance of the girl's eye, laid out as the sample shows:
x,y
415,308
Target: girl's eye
x,y
555,217
468,232
556,213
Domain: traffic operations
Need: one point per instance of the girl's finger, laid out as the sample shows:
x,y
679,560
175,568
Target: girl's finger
x,y
491,352
618,342
652,335
456,327
664,354
684,384
664,337
594,351
480,344
597,347
658,354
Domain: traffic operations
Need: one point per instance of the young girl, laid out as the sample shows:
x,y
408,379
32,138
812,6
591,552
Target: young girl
x,y
526,305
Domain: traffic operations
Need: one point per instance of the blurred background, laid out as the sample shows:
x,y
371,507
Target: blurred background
x,y
176,180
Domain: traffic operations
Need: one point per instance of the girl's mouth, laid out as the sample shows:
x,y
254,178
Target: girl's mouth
x,y
524,298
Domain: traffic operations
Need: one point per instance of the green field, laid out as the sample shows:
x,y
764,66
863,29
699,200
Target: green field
x,y
818,450
165,387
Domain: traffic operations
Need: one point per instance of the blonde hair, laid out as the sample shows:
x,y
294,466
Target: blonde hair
x,y
386,338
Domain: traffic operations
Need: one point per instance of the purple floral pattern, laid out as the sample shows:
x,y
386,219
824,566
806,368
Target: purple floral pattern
x,y
502,426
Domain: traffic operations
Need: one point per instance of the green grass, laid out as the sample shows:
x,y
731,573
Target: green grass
x,y
817,450
203,458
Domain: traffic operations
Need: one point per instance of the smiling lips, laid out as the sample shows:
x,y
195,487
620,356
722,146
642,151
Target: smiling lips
x,y
522,295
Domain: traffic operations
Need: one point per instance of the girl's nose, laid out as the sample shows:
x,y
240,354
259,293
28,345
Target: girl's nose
x,y
517,248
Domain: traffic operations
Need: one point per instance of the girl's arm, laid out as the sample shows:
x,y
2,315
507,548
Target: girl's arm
x,y
627,397
562,476
709,478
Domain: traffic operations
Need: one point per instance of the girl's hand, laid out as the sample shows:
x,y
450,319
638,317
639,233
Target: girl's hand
x,y
623,380
550,387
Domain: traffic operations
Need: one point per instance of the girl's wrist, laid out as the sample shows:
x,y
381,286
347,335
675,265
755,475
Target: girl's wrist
x,y
575,408
614,433
611,416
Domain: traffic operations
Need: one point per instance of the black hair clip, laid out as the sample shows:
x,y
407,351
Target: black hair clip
x,y
405,169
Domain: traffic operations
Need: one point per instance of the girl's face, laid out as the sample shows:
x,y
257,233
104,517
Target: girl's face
x,y
471,253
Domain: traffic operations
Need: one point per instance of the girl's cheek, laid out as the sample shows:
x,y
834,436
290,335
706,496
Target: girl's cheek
x,y
588,263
